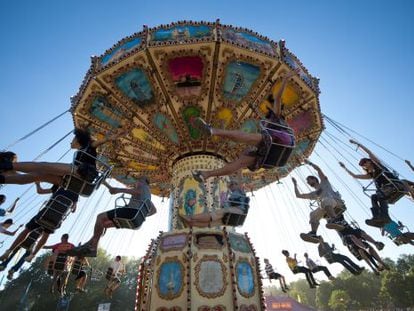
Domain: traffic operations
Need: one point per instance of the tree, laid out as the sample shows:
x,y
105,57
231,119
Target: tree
x,y
339,300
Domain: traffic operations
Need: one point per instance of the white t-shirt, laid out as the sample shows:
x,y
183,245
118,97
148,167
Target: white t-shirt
x,y
325,191
118,268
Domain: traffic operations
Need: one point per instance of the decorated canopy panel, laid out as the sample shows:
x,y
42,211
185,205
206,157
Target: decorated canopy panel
x,y
157,82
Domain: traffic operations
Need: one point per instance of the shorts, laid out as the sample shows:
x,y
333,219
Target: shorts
x,y
33,225
260,151
274,276
124,212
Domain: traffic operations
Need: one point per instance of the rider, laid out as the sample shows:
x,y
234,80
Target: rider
x,y
4,212
251,158
313,267
117,269
272,275
140,194
293,265
328,199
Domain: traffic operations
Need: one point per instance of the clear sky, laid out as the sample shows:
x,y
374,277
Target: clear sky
x,y
360,50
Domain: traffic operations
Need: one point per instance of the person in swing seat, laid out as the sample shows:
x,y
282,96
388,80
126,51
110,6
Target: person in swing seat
x,y
237,203
85,162
386,183
140,198
330,203
251,158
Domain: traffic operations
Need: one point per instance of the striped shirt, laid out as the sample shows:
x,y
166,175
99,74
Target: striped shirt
x,y
269,269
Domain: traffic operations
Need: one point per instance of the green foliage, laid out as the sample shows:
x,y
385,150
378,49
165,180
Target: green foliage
x,y
339,300
39,297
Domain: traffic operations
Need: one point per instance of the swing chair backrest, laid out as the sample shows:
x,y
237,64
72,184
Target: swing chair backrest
x,y
142,209
60,262
85,178
234,219
31,239
55,211
76,267
393,190
282,143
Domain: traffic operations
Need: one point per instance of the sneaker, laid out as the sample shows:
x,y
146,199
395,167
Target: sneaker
x,y
2,267
376,222
204,127
198,176
29,258
5,255
284,290
10,274
337,225
331,278
310,237
359,270
379,245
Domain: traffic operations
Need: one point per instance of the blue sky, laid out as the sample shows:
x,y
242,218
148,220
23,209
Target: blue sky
x,y
360,50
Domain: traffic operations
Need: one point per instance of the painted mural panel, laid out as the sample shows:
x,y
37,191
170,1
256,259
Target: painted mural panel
x,y
238,80
186,73
250,126
181,33
164,124
248,40
294,64
173,242
190,114
301,122
121,50
239,243
245,278
210,277
170,279
145,137
190,197
104,111
135,85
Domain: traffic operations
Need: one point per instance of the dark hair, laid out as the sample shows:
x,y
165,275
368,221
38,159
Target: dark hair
x,y
7,156
8,221
285,252
83,137
144,179
118,257
313,177
364,160
2,198
65,236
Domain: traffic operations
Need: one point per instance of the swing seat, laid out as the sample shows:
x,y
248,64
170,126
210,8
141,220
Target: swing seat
x,y
282,143
136,215
60,262
76,267
85,178
109,273
55,212
392,191
235,219
32,238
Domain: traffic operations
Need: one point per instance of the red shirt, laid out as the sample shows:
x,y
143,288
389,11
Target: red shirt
x,y
62,247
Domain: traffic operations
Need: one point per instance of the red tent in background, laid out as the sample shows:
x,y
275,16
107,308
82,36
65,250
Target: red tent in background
x,y
284,303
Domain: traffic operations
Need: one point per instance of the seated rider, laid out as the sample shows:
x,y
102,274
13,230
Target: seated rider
x,y
27,245
237,203
4,212
140,195
295,268
272,275
330,203
385,181
326,251
81,276
117,269
394,231
252,159
355,238
313,267
29,172
33,223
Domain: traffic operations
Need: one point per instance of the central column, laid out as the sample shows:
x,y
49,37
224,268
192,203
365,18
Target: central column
x,y
189,197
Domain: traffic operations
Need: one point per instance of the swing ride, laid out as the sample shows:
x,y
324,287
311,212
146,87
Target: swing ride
x,y
155,84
